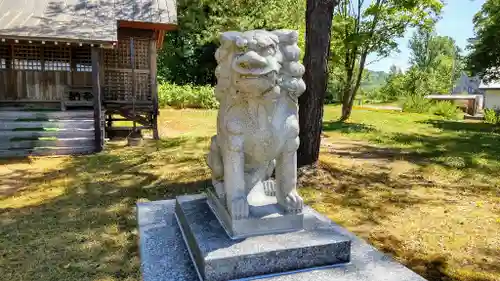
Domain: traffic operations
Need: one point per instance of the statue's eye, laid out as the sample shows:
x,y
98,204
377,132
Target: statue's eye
x,y
242,49
268,51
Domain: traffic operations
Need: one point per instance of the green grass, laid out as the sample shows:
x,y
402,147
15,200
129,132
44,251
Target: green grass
x,y
422,188
469,148
418,187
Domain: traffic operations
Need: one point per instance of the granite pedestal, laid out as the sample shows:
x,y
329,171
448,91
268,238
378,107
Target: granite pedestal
x,y
217,257
165,257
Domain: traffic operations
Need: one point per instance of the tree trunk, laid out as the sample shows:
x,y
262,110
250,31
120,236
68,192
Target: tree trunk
x,y
319,15
347,102
349,95
350,92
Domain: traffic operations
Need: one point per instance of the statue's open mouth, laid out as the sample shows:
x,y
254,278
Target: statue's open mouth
x,y
269,75
248,72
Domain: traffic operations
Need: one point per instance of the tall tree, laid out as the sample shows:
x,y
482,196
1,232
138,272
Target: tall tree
x,y
484,58
427,50
365,28
319,14
393,87
436,59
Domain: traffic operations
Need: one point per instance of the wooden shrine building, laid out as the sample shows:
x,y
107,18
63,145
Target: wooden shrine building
x,y
70,68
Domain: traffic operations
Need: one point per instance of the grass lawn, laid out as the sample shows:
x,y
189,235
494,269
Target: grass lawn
x,y
422,189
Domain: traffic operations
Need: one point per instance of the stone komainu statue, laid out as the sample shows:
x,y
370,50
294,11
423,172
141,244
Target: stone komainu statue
x,y
259,80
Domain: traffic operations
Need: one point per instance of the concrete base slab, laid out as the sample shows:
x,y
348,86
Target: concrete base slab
x,y
219,258
165,257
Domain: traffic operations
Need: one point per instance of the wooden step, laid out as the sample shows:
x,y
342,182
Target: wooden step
x,y
65,124
51,115
14,153
63,133
61,143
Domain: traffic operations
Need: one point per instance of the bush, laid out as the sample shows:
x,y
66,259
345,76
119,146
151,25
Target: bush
x,y
186,96
417,104
492,116
446,109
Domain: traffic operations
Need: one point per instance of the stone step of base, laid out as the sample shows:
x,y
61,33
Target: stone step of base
x,y
219,258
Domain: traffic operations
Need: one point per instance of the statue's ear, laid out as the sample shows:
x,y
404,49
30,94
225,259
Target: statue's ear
x,y
229,37
287,36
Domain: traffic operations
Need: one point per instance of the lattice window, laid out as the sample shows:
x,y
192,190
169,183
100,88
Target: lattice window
x,y
117,85
27,57
82,59
118,74
4,55
57,58
120,57
142,86
141,48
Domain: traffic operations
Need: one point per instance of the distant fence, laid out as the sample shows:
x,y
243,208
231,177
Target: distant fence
x,y
38,133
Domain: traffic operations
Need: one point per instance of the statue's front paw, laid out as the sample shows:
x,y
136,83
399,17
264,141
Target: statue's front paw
x,y
239,208
269,187
292,203
219,189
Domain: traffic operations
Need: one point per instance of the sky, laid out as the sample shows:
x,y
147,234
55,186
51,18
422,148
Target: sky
x,y
456,22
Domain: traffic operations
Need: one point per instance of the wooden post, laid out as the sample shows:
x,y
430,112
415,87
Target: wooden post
x,y
13,75
96,90
132,63
102,97
154,88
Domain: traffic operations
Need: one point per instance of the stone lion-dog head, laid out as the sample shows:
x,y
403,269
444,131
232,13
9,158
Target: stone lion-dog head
x,y
259,63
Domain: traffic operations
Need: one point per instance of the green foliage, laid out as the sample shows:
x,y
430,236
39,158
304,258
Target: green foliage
x,y
186,96
188,53
491,116
484,56
435,66
447,110
435,60
416,104
360,30
419,104
394,86
373,80
428,49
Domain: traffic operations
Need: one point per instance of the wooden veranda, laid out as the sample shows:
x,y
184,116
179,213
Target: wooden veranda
x,y
71,64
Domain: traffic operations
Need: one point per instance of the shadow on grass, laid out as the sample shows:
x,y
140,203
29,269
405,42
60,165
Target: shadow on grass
x,y
477,151
347,127
87,230
84,226
349,189
478,127
431,267
464,146
369,199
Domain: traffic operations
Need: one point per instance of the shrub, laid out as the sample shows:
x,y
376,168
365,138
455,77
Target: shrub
x,y
419,104
186,96
416,104
446,109
491,116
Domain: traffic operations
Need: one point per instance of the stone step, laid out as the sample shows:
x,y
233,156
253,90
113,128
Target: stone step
x,y
219,258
